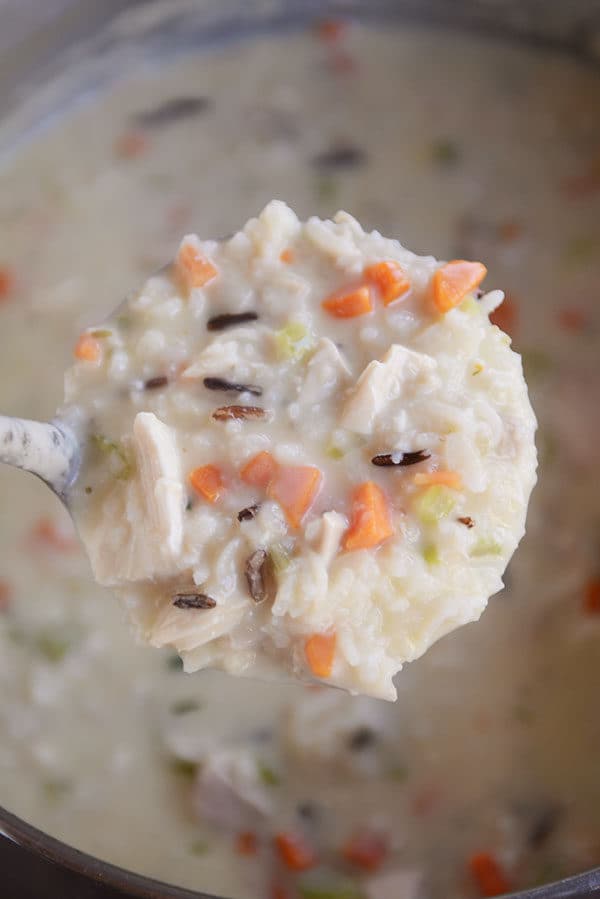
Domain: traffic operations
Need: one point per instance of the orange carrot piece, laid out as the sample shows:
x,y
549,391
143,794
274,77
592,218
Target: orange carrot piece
x,y
488,875
573,319
207,481
7,282
390,280
194,269
444,478
46,533
287,256
294,852
295,488
371,520
5,595
349,305
259,470
591,597
331,30
319,650
366,850
88,349
246,843
454,280
279,892
131,145
505,316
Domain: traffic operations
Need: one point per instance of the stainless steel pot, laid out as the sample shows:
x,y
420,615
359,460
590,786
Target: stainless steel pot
x,y
39,40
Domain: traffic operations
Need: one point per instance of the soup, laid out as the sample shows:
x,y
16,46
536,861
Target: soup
x,y
458,146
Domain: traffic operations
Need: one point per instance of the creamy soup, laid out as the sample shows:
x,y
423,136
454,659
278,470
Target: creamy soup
x,y
285,438
481,777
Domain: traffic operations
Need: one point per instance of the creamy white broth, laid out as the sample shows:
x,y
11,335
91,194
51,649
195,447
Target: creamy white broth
x,y
494,723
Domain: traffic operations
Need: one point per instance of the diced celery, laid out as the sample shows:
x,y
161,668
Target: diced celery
x,y
183,767
485,546
329,887
199,847
185,706
434,504
53,646
334,452
431,554
293,341
469,305
280,557
102,332
56,788
109,447
268,776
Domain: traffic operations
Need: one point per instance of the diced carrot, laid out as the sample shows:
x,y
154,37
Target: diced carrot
x,y
194,269
488,875
259,470
371,520
7,282
510,230
390,280
505,316
295,488
343,63
425,800
278,891
573,320
88,349
131,145
207,481
46,533
287,256
246,843
454,280
585,183
366,850
444,478
294,852
319,650
5,595
591,597
349,305
331,30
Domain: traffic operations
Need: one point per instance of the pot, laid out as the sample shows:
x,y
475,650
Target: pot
x,y
38,44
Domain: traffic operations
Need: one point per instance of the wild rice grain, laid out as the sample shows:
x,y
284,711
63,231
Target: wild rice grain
x,y
193,601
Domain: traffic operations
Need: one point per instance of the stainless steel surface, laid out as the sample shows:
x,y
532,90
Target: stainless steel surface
x,y
46,449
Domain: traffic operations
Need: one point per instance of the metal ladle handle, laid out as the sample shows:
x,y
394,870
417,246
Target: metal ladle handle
x,y
47,449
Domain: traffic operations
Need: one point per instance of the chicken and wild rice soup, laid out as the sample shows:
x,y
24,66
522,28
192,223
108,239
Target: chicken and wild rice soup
x,y
355,489
308,451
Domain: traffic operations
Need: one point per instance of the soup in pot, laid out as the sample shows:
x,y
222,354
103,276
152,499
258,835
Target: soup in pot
x,y
481,777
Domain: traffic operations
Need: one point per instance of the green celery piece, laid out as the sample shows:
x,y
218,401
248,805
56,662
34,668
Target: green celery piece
x,y
280,558
53,646
431,554
293,341
486,547
183,768
56,788
199,847
334,452
107,447
470,306
268,776
185,706
337,889
434,504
